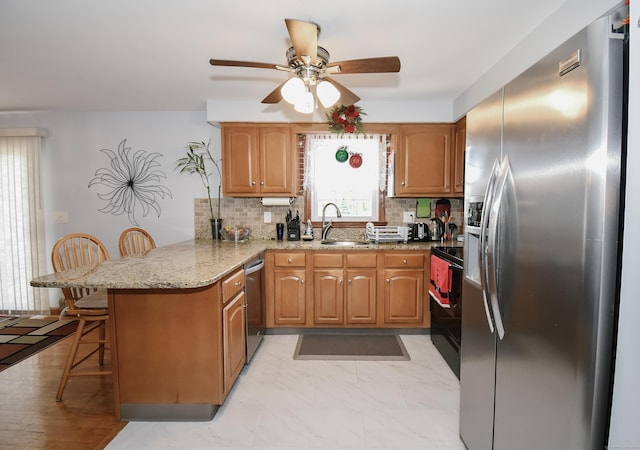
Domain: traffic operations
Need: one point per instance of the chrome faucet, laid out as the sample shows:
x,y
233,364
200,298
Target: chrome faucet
x,y
326,225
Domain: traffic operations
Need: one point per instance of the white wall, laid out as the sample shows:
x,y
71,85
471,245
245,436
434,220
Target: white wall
x,y
570,18
71,155
376,112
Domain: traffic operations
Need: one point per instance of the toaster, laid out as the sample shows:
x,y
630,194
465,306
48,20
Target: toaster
x,y
419,232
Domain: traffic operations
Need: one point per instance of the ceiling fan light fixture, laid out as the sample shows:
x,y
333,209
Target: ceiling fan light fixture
x,y
305,104
327,93
293,90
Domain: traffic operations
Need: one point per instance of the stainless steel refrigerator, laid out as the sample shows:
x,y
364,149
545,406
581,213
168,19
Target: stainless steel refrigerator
x,y
542,215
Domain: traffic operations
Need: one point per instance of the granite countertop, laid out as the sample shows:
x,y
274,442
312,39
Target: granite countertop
x,y
190,264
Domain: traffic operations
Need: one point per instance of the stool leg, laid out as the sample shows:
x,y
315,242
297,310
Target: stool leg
x,y
70,359
101,337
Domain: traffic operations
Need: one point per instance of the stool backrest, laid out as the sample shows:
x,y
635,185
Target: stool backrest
x,y
77,251
135,241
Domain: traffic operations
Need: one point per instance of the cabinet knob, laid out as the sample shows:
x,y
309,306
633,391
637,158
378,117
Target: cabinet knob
x,y
238,283
301,281
262,183
253,183
388,280
349,281
340,281
289,260
404,261
402,183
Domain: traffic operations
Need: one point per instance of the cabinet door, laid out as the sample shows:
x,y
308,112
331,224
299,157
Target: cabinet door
x,y
240,160
289,297
276,161
234,339
328,297
423,164
361,296
403,292
460,140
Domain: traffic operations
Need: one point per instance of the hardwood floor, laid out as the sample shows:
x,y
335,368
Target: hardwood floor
x,y
30,417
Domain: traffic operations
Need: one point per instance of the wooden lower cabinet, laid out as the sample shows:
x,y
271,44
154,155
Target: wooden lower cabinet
x,y
289,289
328,296
361,296
403,296
404,291
286,288
176,352
364,289
234,339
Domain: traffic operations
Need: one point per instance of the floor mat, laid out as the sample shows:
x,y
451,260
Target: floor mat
x,y
373,347
23,336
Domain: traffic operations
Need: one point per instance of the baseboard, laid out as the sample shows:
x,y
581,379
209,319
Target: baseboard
x,y
348,331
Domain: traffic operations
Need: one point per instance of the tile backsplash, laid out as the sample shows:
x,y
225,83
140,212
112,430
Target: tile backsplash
x,y
249,212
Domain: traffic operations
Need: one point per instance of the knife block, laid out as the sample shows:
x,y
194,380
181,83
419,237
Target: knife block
x,y
293,231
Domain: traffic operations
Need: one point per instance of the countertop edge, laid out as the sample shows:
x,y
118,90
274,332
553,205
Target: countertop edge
x,y
194,263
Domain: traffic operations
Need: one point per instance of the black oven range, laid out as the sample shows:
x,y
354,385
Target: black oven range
x,y
445,295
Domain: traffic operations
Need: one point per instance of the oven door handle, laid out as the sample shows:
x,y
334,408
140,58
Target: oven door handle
x,y
484,220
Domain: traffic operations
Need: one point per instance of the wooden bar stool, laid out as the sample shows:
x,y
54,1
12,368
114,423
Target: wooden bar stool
x,y
135,241
87,306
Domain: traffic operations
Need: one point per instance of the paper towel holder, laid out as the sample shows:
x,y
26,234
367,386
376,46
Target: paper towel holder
x,y
276,201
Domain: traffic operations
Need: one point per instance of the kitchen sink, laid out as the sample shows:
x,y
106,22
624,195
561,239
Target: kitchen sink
x,y
344,243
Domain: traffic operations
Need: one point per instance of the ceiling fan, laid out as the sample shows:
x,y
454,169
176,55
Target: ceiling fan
x,y
310,63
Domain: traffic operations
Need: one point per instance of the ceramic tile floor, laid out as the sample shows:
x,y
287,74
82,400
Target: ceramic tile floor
x,y
279,403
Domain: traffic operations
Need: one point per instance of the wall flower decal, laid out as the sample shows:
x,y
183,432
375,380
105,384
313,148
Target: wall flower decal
x,y
132,183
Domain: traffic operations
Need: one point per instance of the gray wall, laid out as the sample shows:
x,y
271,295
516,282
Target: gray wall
x,y
71,156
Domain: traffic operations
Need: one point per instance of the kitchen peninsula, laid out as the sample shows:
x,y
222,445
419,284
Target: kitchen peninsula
x,y
177,316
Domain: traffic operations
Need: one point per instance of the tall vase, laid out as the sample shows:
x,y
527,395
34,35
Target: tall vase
x,y
216,229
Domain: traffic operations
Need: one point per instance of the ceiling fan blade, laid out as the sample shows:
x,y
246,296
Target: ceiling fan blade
x,y
367,65
226,62
274,96
304,38
346,96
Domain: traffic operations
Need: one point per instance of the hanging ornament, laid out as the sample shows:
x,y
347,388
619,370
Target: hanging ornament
x,y
355,160
342,154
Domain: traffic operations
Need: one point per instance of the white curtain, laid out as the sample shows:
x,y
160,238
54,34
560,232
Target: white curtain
x,y
22,243
314,141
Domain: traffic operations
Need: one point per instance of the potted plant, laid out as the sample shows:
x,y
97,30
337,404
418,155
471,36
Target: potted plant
x,y
197,160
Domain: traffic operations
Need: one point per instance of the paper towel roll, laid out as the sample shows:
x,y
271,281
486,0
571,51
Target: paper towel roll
x,y
276,201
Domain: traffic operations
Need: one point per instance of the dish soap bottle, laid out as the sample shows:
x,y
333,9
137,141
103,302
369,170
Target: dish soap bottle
x,y
308,232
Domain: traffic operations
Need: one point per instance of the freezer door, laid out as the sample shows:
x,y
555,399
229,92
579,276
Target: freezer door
x,y
477,350
483,142
552,365
477,371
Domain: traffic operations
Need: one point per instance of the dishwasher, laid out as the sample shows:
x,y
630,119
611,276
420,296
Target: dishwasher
x,y
255,304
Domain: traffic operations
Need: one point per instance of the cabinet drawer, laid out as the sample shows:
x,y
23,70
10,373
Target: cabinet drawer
x,y
361,259
404,260
327,260
232,284
289,259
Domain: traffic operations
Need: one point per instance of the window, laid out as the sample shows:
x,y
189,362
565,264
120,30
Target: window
x,y
348,171
22,255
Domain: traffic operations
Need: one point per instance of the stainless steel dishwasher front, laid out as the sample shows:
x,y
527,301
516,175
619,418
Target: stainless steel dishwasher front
x,y
255,302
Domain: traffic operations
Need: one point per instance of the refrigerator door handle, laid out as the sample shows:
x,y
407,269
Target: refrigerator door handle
x,y
488,199
492,241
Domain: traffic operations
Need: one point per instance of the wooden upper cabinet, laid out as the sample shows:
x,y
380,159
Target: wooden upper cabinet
x,y
423,160
459,145
258,160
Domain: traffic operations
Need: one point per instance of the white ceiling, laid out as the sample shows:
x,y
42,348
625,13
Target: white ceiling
x,y
144,55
